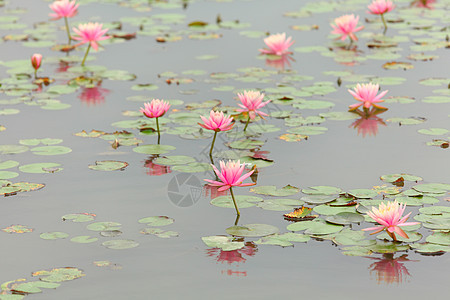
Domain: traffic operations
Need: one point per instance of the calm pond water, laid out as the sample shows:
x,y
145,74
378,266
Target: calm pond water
x,y
208,62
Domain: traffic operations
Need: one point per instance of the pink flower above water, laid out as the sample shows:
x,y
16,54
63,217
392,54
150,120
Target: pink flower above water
x,y
367,95
389,216
63,9
278,44
251,101
230,175
36,60
217,121
379,7
155,109
346,26
90,33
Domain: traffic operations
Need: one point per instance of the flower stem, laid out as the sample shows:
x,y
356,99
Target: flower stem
x,y
212,144
35,73
157,128
246,124
67,29
234,201
384,23
85,55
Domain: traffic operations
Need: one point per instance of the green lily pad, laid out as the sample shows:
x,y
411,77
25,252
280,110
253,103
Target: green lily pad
x,y
280,204
433,131
80,217
435,210
252,230
165,234
9,111
272,190
120,244
154,149
223,242
242,201
8,175
8,164
40,168
430,248
436,99
363,193
440,238
246,144
34,287
104,226
387,247
356,251
308,130
322,190
51,150
156,221
345,218
435,188
174,160
84,239
59,274
348,237
316,227
397,176
108,165
12,149
283,240
53,235
318,199
333,210
192,167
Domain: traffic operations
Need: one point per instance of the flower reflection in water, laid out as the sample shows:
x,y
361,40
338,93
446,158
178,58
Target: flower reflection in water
x,y
390,270
212,191
234,256
368,123
155,169
423,3
93,95
279,61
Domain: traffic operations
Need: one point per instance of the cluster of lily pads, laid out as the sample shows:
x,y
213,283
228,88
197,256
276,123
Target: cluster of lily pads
x,y
322,213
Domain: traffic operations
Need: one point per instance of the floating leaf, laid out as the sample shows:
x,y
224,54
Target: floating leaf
x,y
433,131
363,193
51,150
8,164
120,244
322,190
272,190
17,229
333,210
59,274
153,149
300,214
84,239
430,248
159,232
8,175
12,149
316,227
283,240
344,218
79,217
241,200
308,130
387,247
104,226
53,235
223,242
157,221
174,160
290,137
440,238
34,287
397,176
348,237
252,230
398,65
144,87
40,168
435,188
108,165
279,204
192,167
319,199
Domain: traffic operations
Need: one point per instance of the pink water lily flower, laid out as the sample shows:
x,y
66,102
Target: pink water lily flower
x,y
367,95
379,7
90,33
230,175
278,44
217,121
155,109
251,101
63,9
389,216
36,60
346,26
